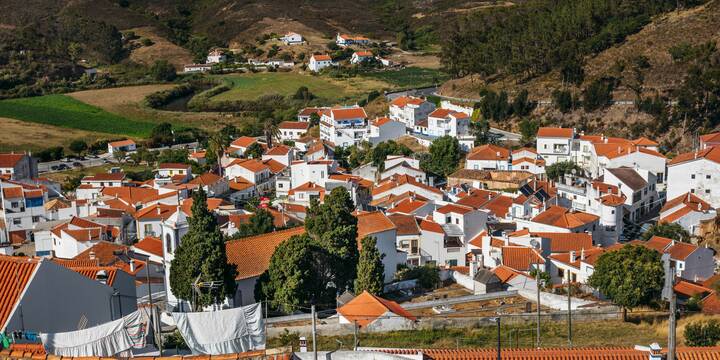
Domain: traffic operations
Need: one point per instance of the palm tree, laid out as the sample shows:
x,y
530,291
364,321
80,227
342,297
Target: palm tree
x,y
216,145
271,131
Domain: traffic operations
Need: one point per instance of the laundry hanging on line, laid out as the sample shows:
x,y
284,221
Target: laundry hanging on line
x,y
106,339
222,332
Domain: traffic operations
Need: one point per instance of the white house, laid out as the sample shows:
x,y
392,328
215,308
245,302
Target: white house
x,y
376,224
90,186
639,188
373,313
410,110
443,122
555,144
692,262
399,184
121,145
283,154
360,56
709,140
77,235
408,236
216,56
698,172
687,210
319,62
575,266
292,130
239,145
347,40
345,126
605,156
253,171
214,185
384,129
292,38
21,210
488,157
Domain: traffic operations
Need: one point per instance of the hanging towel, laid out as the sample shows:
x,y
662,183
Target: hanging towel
x,y
222,332
103,340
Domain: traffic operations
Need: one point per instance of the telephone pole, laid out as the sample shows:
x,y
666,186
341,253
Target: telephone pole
x,y
314,338
569,289
355,336
537,281
671,323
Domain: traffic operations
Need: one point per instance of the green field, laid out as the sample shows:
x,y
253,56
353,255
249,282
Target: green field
x,y
64,111
411,77
252,86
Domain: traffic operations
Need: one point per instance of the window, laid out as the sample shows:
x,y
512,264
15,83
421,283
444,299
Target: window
x,y
280,185
148,229
561,273
707,176
692,191
707,191
692,176
14,204
612,211
452,262
457,221
448,220
168,243
35,219
17,221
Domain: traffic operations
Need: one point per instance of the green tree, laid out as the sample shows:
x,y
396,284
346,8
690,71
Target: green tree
x,y
668,230
162,135
445,155
333,226
521,105
294,276
261,222
480,128
314,119
254,151
559,169
563,100
631,276
119,155
702,333
370,269
201,256
494,105
528,129
597,95
78,146
304,94
162,70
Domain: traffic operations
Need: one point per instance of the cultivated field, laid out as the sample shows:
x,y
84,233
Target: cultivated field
x,y
23,135
67,112
251,86
410,77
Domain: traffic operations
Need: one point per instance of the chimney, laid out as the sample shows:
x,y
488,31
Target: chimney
x,y
655,352
92,255
572,256
582,254
132,265
473,269
699,207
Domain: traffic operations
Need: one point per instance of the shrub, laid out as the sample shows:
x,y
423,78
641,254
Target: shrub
x,y
428,276
705,333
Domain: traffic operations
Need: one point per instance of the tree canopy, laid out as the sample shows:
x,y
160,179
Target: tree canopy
x,y
445,155
201,256
370,269
669,230
631,276
702,333
559,169
261,222
254,151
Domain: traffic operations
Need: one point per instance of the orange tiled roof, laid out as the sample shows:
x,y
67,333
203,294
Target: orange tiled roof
x,y
591,256
15,274
520,257
150,244
407,206
454,208
613,200
443,113
251,255
366,308
690,200
505,273
403,101
499,205
711,154
212,203
405,224
489,152
658,243
207,178
381,121
243,141
295,125
564,218
677,215
10,160
121,143
278,150
681,250
431,226
372,223
689,289
710,138
565,242
322,57
348,113
398,180
555,132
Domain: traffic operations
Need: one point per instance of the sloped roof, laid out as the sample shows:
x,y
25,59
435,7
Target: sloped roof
x,y
15,274
454,208
689,200
366,308
555,132
629,177
710,138
710,154
150,244
120,143
591,256
251,255
565,242
402,101
295,125
372,223
207,178
489,152
348,113
405,224
10,160
564,218
520,257
680,250
243,141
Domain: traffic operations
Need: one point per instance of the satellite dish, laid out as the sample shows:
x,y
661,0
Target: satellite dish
x,y
535,244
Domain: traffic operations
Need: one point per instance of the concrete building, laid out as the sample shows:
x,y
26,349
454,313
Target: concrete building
x,y
697,172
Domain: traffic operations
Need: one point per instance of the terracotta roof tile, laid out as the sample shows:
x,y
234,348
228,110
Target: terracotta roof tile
x,y
372,223
366,308
15,274
405,224
10,160
489,152
564,218
294,125
520,258
555,132
711,154
251,255
150,244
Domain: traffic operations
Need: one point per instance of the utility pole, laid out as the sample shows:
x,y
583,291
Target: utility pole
x,y
355,335
569,289
499,356
671,323
537,281
314,338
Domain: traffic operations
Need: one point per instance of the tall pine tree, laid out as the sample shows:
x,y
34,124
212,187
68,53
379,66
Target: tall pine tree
x,y
370,269
202,253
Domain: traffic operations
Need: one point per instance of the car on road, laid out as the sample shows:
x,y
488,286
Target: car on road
x,y
78,164
54,167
